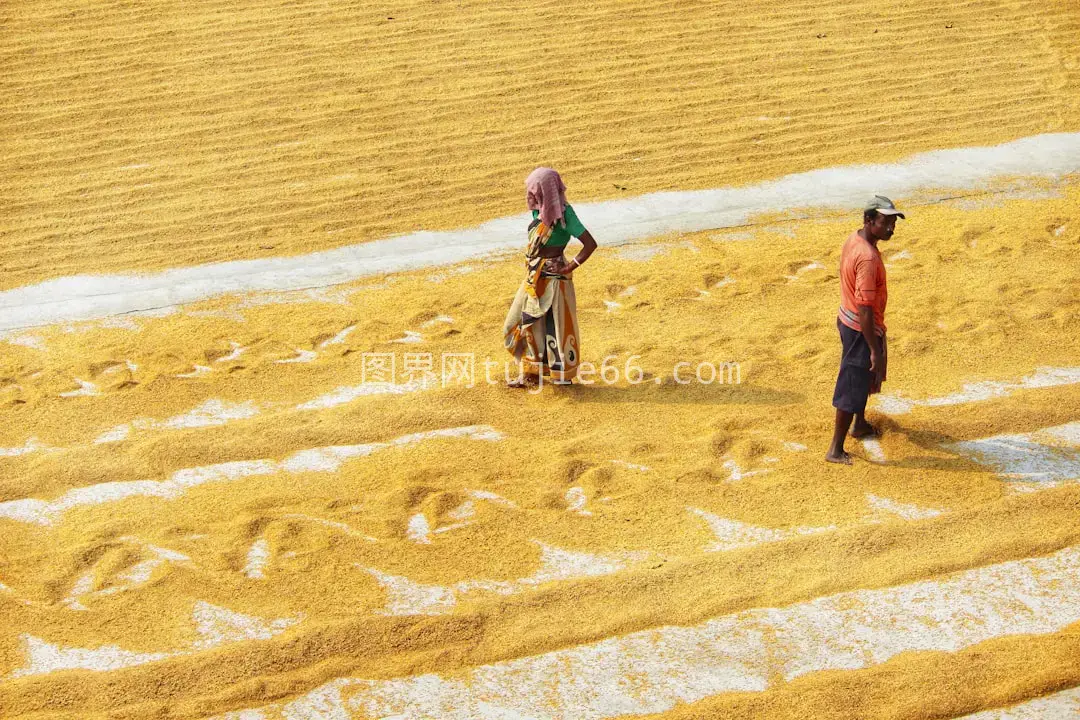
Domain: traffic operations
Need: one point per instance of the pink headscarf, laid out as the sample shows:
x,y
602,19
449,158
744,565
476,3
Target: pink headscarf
x,y
545,191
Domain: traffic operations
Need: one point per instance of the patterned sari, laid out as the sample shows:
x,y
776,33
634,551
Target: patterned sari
x,y
541,329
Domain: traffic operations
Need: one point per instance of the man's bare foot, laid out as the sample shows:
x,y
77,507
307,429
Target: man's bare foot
x,y
865,430
842,459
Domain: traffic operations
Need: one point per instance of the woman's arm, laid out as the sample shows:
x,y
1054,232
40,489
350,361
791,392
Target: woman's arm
x,y
589,245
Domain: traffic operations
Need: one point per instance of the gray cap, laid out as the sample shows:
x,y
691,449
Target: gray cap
x,y
883,205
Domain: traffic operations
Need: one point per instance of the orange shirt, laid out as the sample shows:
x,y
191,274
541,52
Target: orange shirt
x,y
862,282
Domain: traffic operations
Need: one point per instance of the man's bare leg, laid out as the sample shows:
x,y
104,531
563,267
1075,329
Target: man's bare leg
x,y
836,452
861,428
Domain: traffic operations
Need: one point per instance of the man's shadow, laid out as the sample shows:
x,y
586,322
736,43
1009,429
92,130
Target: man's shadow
x,y
932,441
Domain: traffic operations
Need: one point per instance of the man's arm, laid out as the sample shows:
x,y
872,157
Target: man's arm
x,y
865,293
866,322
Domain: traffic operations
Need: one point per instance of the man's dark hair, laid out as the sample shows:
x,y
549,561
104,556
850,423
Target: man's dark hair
x,y
869,216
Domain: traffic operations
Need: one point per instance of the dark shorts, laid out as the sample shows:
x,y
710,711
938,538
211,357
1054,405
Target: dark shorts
x,y
855,379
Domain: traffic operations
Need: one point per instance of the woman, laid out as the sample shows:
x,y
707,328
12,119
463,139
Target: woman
x,y
541,329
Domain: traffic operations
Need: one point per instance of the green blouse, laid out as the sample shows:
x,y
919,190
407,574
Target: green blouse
x,y
560,235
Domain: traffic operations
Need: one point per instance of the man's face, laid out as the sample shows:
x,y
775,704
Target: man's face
x,y
882,226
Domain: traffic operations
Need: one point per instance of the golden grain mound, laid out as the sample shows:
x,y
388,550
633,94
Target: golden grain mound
x,y
150,135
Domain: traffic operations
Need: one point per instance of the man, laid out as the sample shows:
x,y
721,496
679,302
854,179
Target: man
x,y
863,294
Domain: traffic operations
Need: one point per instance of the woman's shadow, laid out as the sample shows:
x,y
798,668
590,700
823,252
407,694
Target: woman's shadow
x,y
671,393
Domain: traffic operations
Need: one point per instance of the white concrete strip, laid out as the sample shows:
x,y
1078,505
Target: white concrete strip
x,y
736,473
348,393
464,511
117,434
210,414
905,511
1044,377
86,389
324,459
492,497
411,337
452,272
217,626
406,597
215,412
237,351
448,528
558,564
33,510
141,572
30,446
641,253
214,625
257,558
241,715
1068,434
339,338
441,319
644,253
1049,456
652,670
874,452
127,364
631,466
576,500
82,587
302,356
732,534
419,530
615,222
44,657
24,339
805,269
1059,706
138,574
